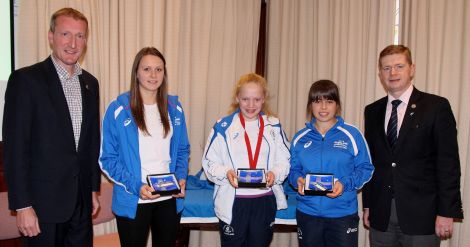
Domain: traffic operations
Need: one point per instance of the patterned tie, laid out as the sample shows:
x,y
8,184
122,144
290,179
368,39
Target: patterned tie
x,y
392,134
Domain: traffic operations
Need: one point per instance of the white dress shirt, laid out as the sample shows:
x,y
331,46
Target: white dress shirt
x,y
401,109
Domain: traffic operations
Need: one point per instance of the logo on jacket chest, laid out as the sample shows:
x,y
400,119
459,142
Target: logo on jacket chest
x,y
340,144
273,135
235,135
177,121
127,122
228,230
307,144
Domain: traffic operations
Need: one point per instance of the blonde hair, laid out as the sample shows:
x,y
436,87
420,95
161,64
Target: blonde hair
x,y
258,80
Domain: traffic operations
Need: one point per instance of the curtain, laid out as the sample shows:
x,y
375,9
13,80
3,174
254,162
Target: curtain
x,y
207,44
317,39
338,40
437,33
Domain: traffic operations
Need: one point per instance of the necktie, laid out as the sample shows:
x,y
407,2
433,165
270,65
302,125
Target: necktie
x,y
392,134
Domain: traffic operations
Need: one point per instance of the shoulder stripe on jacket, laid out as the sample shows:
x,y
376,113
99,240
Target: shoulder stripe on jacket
x,y
300,136
117,111
350,138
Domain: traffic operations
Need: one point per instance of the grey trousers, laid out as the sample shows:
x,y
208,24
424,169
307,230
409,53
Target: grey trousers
x,y
394,237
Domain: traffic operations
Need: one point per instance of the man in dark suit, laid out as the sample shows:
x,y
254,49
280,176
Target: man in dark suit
x,y
51,140
414,194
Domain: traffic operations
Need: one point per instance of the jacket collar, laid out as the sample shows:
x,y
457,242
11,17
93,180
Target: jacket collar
x,y
311,124
411,109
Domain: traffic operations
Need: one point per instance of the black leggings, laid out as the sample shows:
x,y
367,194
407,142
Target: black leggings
x,y
161,217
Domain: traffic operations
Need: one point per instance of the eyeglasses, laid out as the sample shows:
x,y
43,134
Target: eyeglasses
x,y
397,67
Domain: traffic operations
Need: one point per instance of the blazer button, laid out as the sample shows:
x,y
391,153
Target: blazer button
x,y
394,164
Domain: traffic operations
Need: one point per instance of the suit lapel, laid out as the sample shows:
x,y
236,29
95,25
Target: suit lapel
x,y
381,121
409,116
85,90
57,97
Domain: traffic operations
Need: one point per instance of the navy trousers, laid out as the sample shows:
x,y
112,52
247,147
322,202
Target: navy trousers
x,y
76,232
252,223
327,232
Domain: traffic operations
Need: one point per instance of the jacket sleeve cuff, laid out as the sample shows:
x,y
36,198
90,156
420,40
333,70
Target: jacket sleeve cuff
x,y
293,179
21,209
137,187
345,182
181,175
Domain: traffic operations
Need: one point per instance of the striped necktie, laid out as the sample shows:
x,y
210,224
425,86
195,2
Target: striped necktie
x,y
392,134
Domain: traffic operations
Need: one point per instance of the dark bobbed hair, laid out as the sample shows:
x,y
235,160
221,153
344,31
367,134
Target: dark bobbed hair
x,y
136,102
322,89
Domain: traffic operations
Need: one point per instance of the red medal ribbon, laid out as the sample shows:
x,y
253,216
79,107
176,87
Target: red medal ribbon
x,y
253,161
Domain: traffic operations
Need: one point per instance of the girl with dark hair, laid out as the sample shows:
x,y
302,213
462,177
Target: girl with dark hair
x,y
144,132
328,145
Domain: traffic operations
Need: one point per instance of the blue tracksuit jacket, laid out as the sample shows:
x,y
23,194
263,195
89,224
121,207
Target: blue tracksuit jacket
x,y
120,159
343,151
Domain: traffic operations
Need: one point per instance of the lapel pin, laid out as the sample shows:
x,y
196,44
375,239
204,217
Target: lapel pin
x,y
412,113
413,106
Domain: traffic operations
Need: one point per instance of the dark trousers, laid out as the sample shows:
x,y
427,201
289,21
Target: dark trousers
x,y
77,231
325,232
252,222
394,237
161,217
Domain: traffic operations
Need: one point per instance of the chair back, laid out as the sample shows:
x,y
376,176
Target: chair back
x,y
105,197
8,228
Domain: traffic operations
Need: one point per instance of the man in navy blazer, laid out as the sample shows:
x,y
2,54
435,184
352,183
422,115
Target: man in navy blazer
x,y
414,194
51,140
